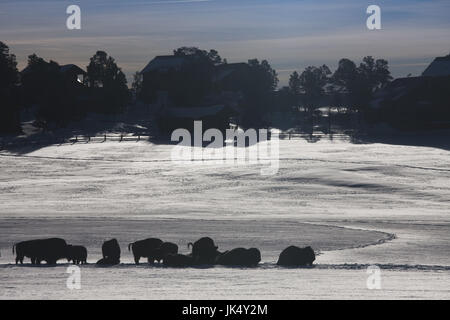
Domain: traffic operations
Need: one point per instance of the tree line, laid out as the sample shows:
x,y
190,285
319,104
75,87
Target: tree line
x,y
58,99
357,82
105,89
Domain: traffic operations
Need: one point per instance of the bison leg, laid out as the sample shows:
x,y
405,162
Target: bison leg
x,y
136,259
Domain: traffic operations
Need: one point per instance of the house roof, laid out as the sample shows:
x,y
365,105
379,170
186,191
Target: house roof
x,y
396,89
423,87
63,69
439,67
224,70
72,68
164,63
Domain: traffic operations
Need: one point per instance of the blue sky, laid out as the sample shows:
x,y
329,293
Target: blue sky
x,y
290,34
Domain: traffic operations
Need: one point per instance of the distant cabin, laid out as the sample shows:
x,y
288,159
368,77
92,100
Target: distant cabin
x,y
439,67
73,73
165,74
415,102
434,80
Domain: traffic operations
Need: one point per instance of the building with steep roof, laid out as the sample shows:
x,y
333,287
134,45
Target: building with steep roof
x,y
439,67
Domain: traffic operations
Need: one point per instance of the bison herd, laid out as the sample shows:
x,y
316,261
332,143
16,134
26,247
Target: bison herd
x,y
203,252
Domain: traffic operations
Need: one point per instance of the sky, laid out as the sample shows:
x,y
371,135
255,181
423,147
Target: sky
x,y
290,34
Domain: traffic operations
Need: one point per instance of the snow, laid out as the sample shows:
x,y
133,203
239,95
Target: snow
x,y
356,204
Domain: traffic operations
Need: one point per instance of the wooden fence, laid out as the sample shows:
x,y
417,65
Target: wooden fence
x,y
45,141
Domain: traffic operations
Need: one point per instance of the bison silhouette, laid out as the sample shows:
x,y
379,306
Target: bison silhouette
x,y
295,256
240,257
111,253
49,250
77,254
204,251
146,248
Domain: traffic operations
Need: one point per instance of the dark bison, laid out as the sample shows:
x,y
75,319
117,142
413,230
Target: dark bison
x,y
295,256
178,260
240,257
111,253
76,254
204,251
164,249
145,248
48,250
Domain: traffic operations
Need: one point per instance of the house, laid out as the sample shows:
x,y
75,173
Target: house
x,y
415,102
229,76
157,77
40,74
396,90
180,91
439,67
164,64
73,73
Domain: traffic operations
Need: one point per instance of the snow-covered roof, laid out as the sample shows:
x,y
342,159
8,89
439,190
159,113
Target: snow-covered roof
x,y
439,67
164,63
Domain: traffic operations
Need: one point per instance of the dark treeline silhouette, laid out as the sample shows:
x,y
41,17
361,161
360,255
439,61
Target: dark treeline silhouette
x,y
367,92
47,88
9,91
107,84
218,92
349,88
56,93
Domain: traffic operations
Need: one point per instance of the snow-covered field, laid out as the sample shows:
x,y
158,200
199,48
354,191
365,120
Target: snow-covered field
x,y
356,204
